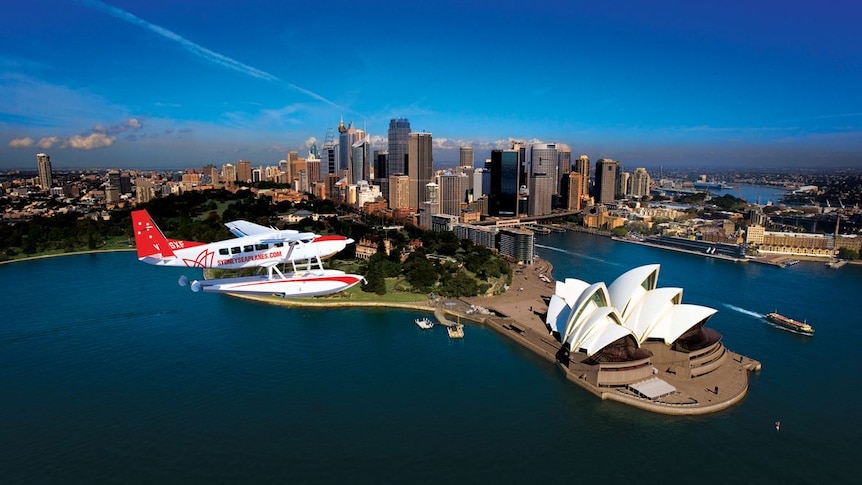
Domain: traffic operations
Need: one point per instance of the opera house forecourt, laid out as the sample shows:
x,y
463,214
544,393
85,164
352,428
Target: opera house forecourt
x,y
637,343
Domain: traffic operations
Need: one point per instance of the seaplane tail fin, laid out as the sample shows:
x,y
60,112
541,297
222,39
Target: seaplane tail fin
x,y
152,244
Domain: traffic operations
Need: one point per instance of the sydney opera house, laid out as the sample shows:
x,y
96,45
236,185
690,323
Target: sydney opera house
x,y
635,342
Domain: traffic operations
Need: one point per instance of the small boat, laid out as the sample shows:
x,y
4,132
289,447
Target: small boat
x,y
424,323
789,324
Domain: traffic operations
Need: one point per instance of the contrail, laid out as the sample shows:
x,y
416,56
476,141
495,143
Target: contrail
x,y
201,51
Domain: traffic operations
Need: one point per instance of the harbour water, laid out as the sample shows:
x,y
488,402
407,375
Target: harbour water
x,y
113,373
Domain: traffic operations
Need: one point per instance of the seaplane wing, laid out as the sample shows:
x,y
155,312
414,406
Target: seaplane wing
x,y
244,228
257,246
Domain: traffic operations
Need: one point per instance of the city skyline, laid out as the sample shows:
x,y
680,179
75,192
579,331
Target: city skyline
x,y
124,84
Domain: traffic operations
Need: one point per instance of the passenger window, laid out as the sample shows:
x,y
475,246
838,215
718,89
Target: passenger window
x,y
248,248
235,250
261,247
224,251
279,245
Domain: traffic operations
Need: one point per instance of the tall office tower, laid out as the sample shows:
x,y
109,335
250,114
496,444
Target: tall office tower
x,y
399,192
380,175
243,171
480,175
302,180
466,157
209,171
283,172
228,173
640,182
541,194
420,166
144,190
312,167
520,146
564,165
114,178
296,164
606,180
503,192
431,205
624,184
256,175
582,166
359,162
572,191
451,193
331,187
399,137
543,159
329,164
46,175
126,182
347,136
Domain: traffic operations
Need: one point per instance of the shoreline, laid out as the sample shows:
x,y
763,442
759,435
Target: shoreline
x,y
520,319
59,255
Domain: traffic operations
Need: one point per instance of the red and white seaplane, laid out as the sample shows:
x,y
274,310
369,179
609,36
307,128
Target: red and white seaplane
x,y
255,246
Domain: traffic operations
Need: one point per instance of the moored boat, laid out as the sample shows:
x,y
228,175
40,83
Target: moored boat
x,y
790,324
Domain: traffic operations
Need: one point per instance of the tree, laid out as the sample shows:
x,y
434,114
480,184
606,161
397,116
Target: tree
x,y
376,282
847,253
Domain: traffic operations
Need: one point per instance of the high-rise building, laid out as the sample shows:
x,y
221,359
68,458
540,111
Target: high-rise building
x,y
624,187
640,182
505,171
46,175
541,194
543,159
228,173
347,137
606,180
399,192
582,166
564,166
329,163
359,161
399,137
312,166
431,206
451,193
572,191
283,172
466,157
420,167
243,171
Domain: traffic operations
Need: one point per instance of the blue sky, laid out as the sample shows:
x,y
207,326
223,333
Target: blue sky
x,y
674,83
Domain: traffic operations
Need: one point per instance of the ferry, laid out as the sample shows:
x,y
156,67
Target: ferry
x,y
789,324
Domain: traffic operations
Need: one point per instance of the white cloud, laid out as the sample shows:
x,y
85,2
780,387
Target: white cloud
x,y
134,123
89,142
48,141
25,142
311,140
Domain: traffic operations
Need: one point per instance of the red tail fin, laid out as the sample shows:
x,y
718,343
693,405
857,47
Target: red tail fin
x,y
148,237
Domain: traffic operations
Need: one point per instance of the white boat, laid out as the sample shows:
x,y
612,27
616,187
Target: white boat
x,y
424,323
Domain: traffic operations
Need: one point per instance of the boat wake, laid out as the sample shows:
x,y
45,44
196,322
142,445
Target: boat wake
x,y
744,311
572,253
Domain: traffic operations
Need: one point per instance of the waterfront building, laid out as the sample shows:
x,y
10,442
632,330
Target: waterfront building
x,y
607,171
46,175
399,137
797,244
482,235
443,222
571,191
640,182
465,157
517,244
243,171
504,177
541,194
618,335
420,166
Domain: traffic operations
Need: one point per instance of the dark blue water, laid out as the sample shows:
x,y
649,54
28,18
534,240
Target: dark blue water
x,y
111,372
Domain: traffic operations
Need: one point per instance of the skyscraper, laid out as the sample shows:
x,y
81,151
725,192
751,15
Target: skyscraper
x,y
466,157
640,182
359,162
452,193
243,171
399,136
582,166
541,194
420,167
606,180
228,173
399,192
503,192
571,191
46,175
564,166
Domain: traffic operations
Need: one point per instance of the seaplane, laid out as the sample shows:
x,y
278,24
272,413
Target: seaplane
x,y
254,246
